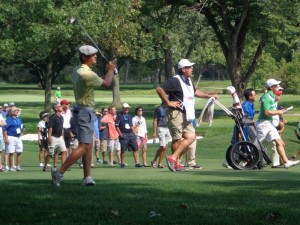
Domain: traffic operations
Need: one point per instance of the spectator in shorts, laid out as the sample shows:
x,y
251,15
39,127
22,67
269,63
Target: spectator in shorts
x,y
2,124
112,135
139,124
96,137
67,115
56,136
160,129
102,134
126,136
179,94
264,127
12,132
84,81
43,139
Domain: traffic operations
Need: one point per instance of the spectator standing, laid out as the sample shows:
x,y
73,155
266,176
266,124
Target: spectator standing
x,y
179,94
126,136
67,115
2,147
96,137
56,136
112,135
5,110
57,95
84,81
12,132
102,136
43,139
160,129
139,122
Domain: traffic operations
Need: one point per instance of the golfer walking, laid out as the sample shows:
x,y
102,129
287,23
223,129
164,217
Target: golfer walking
x,y
179,94
84,81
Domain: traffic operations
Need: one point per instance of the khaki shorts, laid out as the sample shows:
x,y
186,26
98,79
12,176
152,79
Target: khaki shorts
x,y
164,136
58,145
113,145
103,145
178,125
96,144
266,131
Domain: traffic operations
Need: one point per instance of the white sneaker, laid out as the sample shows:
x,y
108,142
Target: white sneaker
x,y
7,168
41,164
291,163
88,181
226,165
48,165
19,168
12,169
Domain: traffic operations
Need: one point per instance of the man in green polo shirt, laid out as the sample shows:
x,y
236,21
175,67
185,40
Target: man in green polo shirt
x,y
264,127
84,81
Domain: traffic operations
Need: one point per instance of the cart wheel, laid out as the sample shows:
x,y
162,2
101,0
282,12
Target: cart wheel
x,y
243,156
229,149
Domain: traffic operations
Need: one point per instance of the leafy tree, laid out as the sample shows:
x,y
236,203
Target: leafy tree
x,y
42,37
239,23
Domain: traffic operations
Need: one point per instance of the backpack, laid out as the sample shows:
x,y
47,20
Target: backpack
x,y
297,130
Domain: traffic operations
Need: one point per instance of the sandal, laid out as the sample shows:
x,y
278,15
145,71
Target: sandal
x,y
153,164
160,166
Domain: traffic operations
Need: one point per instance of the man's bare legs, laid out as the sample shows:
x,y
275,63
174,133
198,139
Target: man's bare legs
x,y
83,150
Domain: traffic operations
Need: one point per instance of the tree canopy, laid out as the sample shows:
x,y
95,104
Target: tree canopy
x,y
241,35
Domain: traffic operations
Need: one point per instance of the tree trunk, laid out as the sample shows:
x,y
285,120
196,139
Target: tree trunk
x,y
116,91
169,70
127,71
48,84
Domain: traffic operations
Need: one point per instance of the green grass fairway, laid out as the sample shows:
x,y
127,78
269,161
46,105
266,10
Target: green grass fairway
x,y
130,196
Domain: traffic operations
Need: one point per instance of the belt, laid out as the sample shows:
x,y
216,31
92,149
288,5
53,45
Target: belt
x,y
56,136
14,135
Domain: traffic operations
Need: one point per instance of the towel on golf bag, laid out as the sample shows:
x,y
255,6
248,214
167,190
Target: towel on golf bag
x,y
207,113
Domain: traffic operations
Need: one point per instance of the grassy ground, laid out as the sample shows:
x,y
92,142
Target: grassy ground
x,y
213,195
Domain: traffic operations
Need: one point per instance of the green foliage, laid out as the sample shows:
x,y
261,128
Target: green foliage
x,y
265,70
289,75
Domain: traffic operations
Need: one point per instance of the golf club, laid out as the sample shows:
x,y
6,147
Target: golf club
x,y
87,34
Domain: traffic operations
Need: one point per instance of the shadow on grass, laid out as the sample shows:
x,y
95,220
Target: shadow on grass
x,y
261,198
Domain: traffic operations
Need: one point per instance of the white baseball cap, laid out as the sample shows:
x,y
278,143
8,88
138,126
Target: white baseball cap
x,y
184,62
125,105
87,50
272,82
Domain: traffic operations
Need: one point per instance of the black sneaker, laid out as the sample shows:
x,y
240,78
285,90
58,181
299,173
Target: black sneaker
x,y
195,167
277,167
138,165
105,162
123,165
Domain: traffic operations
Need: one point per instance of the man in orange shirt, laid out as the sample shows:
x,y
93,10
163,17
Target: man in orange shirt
x,y
112,135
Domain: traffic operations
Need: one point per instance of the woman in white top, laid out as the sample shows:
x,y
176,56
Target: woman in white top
x,y
140,130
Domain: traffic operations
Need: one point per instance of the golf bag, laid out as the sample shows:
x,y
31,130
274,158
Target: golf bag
x,y
245,151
